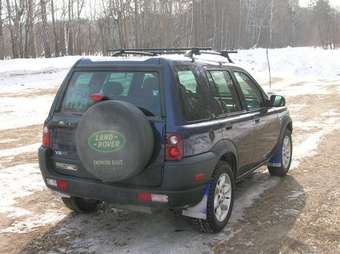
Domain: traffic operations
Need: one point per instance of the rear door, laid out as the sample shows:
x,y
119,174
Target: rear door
x,y
195,124
266,121
139,87
237,124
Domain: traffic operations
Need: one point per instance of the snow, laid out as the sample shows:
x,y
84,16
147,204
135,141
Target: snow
x,y
249,194
296,194
36,65
33,222
18,182
326,124
290,63
22,74
24,111
19,150
304,63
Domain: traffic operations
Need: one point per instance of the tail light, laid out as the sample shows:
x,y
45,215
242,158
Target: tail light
x,y
174,147
62,185
59,184
146,197
46,137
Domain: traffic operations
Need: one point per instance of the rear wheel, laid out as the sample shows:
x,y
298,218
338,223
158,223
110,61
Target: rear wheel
x,y
286,156
81,205
220,200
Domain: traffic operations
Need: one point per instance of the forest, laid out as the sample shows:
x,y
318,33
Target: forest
x,y
52,28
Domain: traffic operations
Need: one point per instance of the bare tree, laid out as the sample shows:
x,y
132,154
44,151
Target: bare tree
x,y
45,34
323,17
13,26
70,30
30,50
2,43
68,27
54,28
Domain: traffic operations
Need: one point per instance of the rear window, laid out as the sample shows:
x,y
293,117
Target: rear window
x,y
139,88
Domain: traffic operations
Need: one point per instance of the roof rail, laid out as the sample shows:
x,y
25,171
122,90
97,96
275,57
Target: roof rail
x,y
119,52
188,52
225,53
156,51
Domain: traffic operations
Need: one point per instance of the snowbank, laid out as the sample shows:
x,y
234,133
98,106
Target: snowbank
x,y
35,65
305,64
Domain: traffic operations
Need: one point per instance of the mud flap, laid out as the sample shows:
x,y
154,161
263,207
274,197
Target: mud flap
x,y
276,160
199,211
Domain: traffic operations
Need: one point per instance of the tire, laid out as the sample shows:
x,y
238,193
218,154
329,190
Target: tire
x,y
114,141
81,205
286,150
215,223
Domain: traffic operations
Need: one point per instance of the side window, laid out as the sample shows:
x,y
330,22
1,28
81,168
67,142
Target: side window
x,y
252,95
221,86
193,100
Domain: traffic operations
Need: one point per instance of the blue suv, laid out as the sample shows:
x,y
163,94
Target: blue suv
x,y
162,131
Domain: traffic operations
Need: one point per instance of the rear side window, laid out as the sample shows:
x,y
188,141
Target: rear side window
x,y
139,88
194,103
222,88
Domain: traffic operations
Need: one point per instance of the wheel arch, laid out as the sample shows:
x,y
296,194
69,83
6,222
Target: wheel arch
x,y
290,126
230,158
226,151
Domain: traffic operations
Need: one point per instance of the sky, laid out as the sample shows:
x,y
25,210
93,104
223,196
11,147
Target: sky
x,y
334,3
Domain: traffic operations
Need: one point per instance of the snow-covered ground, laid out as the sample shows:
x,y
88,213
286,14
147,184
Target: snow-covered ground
x,y
25,99
299,64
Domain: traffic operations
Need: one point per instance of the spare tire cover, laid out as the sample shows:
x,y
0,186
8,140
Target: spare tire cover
x,y
114,140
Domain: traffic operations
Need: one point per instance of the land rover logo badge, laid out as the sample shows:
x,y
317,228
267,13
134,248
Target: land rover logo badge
x,y
106,141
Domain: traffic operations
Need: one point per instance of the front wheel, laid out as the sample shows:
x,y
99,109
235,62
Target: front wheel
x,y
285,154
81,205
220,200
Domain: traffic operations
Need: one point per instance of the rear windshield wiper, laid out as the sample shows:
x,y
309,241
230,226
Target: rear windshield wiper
x,y
146,112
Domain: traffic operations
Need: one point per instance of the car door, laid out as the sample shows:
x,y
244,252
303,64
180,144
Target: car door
x,y
237,124
266,120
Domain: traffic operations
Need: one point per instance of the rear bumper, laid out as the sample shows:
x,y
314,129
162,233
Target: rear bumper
x,y
178,184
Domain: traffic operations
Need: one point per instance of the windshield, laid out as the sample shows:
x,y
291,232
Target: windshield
x,y
138,88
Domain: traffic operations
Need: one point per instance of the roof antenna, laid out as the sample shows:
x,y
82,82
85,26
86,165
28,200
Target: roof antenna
x,y
270,44
269,72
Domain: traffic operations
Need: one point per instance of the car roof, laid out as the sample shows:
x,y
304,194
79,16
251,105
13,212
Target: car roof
x,y
175,59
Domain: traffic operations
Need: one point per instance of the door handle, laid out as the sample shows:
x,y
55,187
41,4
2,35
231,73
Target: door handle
x,y
211,135
257,120
229,127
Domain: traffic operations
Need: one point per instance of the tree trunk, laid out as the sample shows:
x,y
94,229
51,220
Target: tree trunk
x,y
45,37
12,31
2,44
31,34
70,42
56,40
136,24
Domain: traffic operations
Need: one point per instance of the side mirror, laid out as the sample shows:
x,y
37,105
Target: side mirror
x,y
277,101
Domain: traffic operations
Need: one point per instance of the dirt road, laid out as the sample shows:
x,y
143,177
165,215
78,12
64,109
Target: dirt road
x,y
296,214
